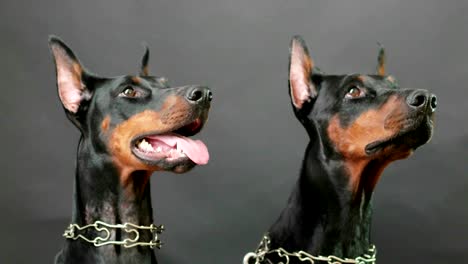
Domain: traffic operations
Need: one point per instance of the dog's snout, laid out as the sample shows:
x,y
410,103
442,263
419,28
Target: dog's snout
x,y
420,99
199,93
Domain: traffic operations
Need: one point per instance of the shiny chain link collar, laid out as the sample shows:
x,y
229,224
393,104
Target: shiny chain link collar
x,y
73,232
264,249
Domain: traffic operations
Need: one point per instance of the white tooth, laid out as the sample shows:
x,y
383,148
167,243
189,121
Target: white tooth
x,y
158,149
150,147
144,145
179,149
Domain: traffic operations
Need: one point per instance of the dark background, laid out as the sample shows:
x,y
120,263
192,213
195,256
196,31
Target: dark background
x,y
217,213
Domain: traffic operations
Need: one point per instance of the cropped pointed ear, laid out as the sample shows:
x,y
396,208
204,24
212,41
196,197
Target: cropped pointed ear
x,y
144,71
381,60
74,83
301,87
71,76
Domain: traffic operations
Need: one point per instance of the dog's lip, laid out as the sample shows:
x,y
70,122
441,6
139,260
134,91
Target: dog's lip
x,y
191,128
187,130
151,161
376,146
178,165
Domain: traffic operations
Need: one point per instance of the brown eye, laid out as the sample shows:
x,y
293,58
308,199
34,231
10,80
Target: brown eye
x,y
354,92
129,92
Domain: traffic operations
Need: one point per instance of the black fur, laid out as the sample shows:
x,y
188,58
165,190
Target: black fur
x,y
98,191
324,216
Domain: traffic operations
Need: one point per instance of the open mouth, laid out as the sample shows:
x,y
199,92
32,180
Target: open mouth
x,y
172,146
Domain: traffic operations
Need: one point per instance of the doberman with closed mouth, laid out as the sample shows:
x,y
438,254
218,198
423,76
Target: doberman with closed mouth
x,y
357,124
130,127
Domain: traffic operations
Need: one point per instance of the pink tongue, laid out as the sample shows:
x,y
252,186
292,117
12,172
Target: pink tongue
x,y
196,150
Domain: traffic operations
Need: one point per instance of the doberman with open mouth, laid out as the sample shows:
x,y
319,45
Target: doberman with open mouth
x,y
130,127
357,124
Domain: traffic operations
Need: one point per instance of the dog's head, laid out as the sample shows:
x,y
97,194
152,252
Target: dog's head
x,y
363,117
140,121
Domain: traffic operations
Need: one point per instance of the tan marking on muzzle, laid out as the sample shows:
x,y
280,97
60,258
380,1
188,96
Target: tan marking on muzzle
x,y
173,112
371,126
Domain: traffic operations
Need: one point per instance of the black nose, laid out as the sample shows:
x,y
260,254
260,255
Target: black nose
x,y
433,102
199,93
420,99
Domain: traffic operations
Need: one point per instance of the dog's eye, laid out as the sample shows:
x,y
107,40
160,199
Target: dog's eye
x,y
129,92
355,92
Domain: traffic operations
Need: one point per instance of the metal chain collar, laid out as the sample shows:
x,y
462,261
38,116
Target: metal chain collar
x,y
264,249
72,232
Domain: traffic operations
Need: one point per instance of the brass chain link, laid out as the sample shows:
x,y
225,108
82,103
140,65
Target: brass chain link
x,y
264,249
72,232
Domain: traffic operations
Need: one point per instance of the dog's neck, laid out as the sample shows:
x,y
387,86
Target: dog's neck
x,y
100,196
323,217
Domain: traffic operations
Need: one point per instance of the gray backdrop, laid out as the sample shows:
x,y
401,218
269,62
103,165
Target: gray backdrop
x,y
216,213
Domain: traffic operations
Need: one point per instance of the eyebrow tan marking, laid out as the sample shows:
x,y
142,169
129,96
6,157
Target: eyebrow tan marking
x,y
136,79
362,78
105,124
